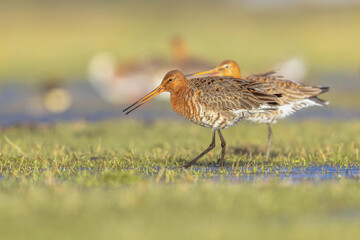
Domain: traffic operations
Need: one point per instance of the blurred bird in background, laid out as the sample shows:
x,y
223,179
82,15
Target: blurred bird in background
x,y
124,83
55,96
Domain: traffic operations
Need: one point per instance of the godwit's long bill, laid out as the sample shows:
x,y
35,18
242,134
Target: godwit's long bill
x,y
213,102
295,95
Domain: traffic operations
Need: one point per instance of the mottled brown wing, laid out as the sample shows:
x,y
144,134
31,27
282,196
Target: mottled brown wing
x,y
265,74
227,93
291,91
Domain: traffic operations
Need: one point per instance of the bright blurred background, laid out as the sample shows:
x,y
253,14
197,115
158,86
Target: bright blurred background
x,y
71,60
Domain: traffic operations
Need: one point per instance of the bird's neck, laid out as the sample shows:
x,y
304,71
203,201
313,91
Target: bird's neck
x,y
178,87
178,99
235,74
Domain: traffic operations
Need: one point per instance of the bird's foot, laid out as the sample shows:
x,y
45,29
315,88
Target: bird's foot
x,y
221,162
188,165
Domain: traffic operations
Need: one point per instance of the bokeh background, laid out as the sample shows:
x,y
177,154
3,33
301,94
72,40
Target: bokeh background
x,y
74,60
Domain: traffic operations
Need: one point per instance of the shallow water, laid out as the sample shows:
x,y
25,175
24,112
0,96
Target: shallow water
x,y
21,105
248,174
292,174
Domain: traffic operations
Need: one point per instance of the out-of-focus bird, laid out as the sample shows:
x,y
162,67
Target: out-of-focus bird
x,y
56,97
119,84
293,68
295,95
213,102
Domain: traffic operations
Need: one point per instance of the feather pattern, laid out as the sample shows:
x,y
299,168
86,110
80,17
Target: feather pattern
x,y
221,102
295,96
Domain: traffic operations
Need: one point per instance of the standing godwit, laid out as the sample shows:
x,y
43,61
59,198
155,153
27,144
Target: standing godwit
x,y
213,102
295,95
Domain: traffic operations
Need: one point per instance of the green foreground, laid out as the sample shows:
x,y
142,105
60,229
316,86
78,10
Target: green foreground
x,y
123,180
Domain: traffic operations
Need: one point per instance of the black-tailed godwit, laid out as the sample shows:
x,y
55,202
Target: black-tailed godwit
x,y
295,95
214,102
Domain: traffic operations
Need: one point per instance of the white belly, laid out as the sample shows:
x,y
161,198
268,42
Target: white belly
x,y
282,111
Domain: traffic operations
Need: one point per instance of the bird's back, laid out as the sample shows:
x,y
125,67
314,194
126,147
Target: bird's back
x,y
219,102
291,91
295,95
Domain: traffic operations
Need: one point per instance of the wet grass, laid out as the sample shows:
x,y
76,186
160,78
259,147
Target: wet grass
x,y
131,144
123,179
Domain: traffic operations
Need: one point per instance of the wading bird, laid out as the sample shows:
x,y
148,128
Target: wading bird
x,y
214,102
295,95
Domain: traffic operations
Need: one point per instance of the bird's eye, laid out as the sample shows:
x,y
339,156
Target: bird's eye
x,y
170,79
226,66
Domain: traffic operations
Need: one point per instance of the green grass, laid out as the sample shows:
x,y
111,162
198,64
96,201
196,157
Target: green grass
x,y
131,144
42,39
181,211
122,180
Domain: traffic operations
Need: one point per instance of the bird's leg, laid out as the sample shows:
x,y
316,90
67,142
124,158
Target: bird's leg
x,y
211,147
269,142
223,148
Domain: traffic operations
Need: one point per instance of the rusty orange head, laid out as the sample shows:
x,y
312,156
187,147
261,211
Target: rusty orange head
x,y
227,68
173,81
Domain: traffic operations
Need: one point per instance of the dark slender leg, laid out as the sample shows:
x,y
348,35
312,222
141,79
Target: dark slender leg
x,y
269,142
223,148
211,147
